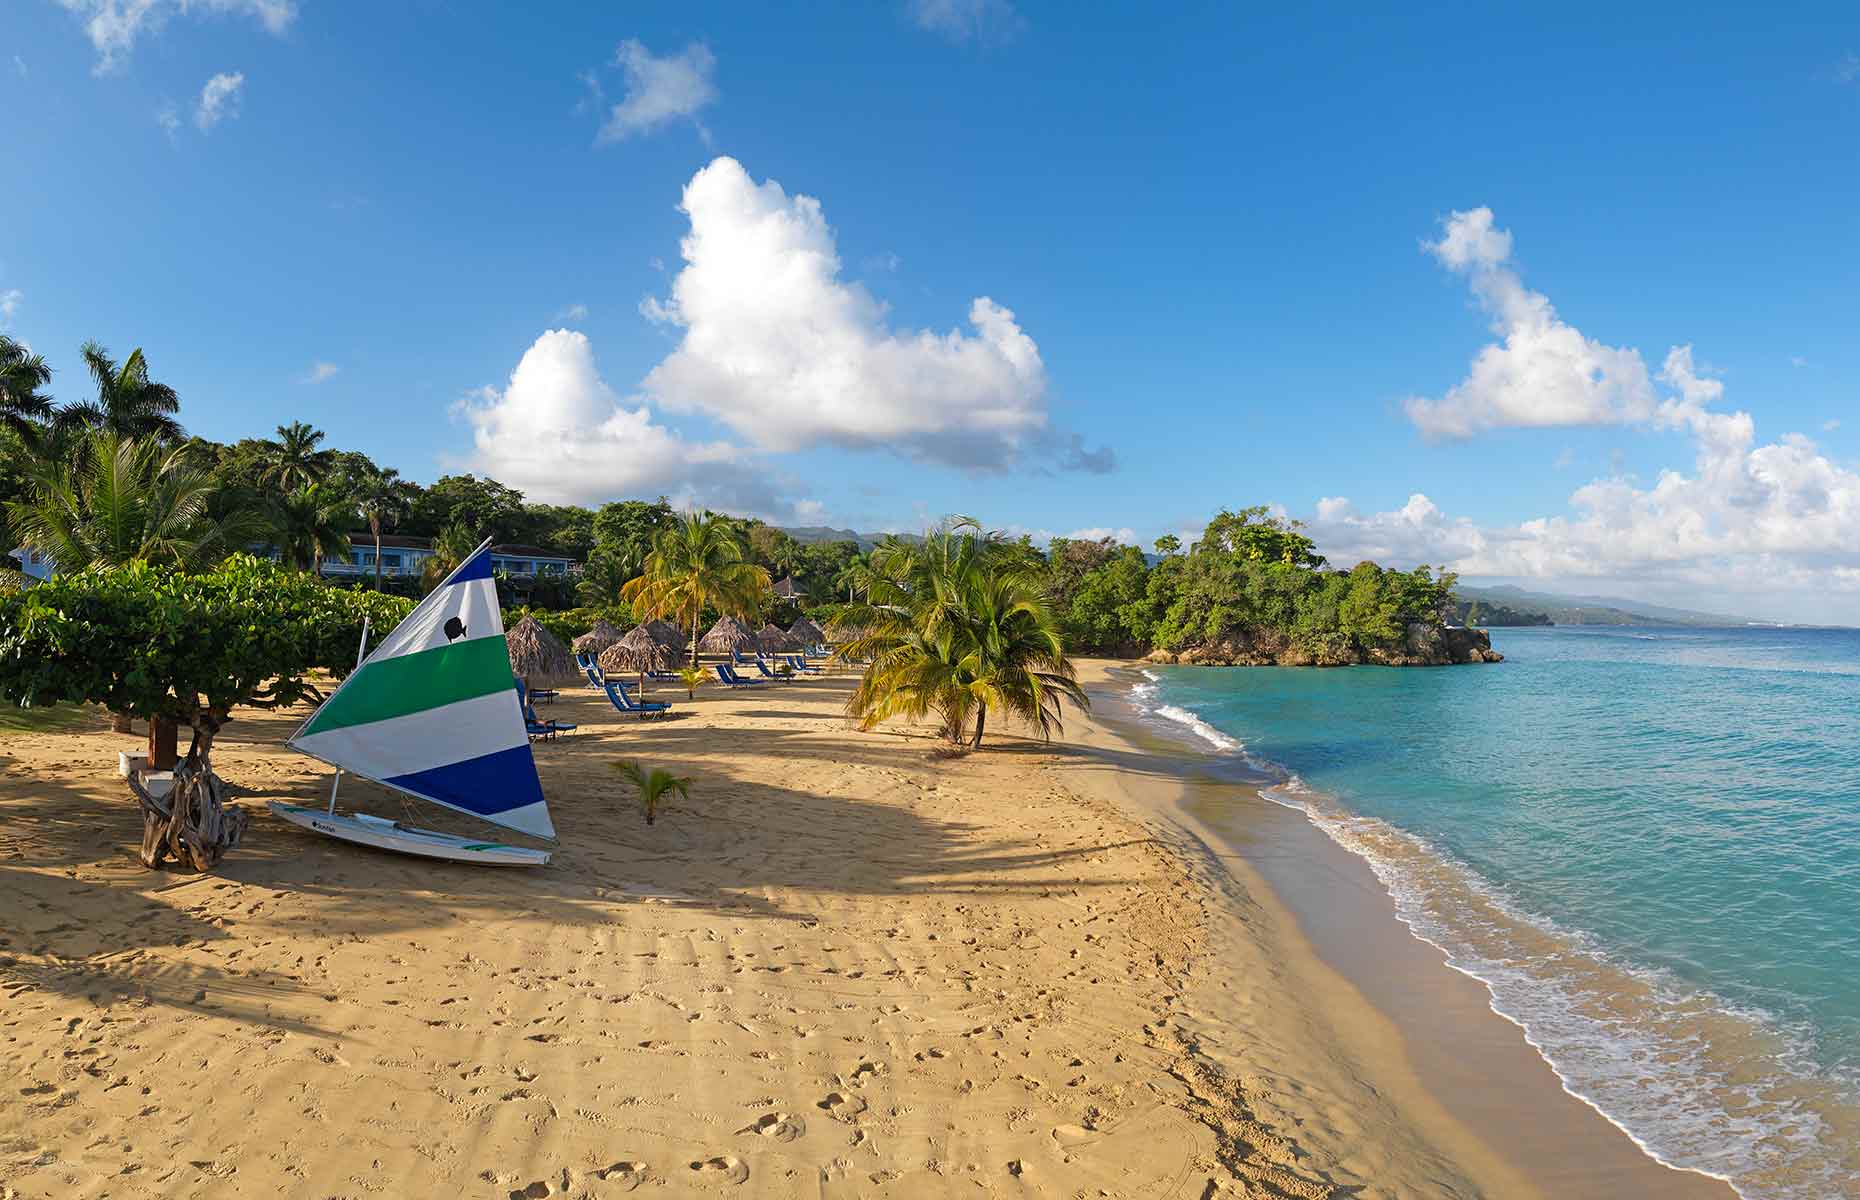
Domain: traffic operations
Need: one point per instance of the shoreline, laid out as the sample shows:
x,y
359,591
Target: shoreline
x,y
1471,1089
849,966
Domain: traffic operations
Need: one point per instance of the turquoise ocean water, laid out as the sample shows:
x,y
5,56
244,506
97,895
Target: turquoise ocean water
x,y
1645,841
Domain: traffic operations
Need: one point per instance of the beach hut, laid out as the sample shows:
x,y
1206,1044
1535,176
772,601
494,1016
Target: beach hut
x,y
806,632
638,652
538,656
604,634
773,639
663,631
726,637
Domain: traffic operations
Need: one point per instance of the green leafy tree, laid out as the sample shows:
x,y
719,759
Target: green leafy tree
x,y
479,504
629,526
311,524
696,564
383,499
653,786
295,459
693,678
178,647
1168,544
129,403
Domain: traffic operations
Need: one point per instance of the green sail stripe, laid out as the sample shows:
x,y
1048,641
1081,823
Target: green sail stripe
x,y
411,683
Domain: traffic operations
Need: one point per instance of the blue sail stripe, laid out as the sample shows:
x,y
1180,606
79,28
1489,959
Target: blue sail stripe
x,y
478,566
486,786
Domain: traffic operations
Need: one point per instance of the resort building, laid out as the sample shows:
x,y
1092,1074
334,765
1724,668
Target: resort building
x,y
402,555
32,564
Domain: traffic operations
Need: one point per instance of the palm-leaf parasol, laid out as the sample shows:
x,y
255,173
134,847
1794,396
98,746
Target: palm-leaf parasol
x,y
604,634
726,637
639,652
538,656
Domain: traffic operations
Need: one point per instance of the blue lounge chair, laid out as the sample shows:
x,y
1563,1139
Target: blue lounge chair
x,y
623,700
762,668
538,728
730,679
597,678
802,665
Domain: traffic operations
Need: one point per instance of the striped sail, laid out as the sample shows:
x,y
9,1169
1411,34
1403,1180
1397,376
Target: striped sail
x,y
434,712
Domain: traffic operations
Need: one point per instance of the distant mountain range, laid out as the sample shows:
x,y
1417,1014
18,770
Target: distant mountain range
x,y
1590,610
809,534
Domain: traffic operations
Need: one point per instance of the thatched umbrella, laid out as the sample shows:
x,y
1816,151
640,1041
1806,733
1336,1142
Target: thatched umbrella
x,y
538,656
774,639
665,632
806,632
604,634
726,637
640,652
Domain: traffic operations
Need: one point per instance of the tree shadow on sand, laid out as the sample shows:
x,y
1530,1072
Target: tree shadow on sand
x,y
736,848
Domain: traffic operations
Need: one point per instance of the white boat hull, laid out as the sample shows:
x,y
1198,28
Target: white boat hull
x,y
383,834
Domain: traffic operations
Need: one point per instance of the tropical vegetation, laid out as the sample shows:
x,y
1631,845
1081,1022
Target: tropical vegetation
x,y
653,786
956,625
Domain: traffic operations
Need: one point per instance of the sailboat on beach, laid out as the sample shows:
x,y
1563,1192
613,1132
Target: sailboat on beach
x,y
433,713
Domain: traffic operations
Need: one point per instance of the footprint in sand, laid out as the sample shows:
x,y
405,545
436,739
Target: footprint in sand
x,y
777,1126
625,1176
866,1072
843,1107
722,1169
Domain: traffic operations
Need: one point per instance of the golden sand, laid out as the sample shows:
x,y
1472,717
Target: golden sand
x,y
847,966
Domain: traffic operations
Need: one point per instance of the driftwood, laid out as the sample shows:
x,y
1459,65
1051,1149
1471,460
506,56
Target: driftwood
x,y
192,823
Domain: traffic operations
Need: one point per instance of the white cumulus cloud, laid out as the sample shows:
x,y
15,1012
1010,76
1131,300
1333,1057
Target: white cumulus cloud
x,y
1542,372
559,433
1776,522
659,90
989,22
219,99
782,349
115,26
9,304
319,372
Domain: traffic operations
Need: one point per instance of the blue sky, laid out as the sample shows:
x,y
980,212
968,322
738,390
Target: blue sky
x,y
1210,227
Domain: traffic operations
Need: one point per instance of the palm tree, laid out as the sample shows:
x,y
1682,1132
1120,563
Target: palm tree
x,y
128,402
309,524
24,407
383,499
653,786
955,626
452,547
695,564
124,500
606,573
1017,657
291,460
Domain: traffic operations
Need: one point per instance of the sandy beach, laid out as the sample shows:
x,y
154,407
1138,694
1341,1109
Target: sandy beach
x,y
848,966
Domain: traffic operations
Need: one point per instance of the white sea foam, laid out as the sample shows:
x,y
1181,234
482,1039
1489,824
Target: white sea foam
x,y
1694,1081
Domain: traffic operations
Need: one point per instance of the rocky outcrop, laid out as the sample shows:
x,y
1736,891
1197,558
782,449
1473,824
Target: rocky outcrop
x,y
1423,645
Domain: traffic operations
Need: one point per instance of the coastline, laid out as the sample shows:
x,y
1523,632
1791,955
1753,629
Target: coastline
x,y
1395,1031
848,966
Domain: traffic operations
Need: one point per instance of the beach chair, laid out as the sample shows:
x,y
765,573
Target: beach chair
x,y
802,666
762,669
597,678
730,679
538,728
540,695
623,700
